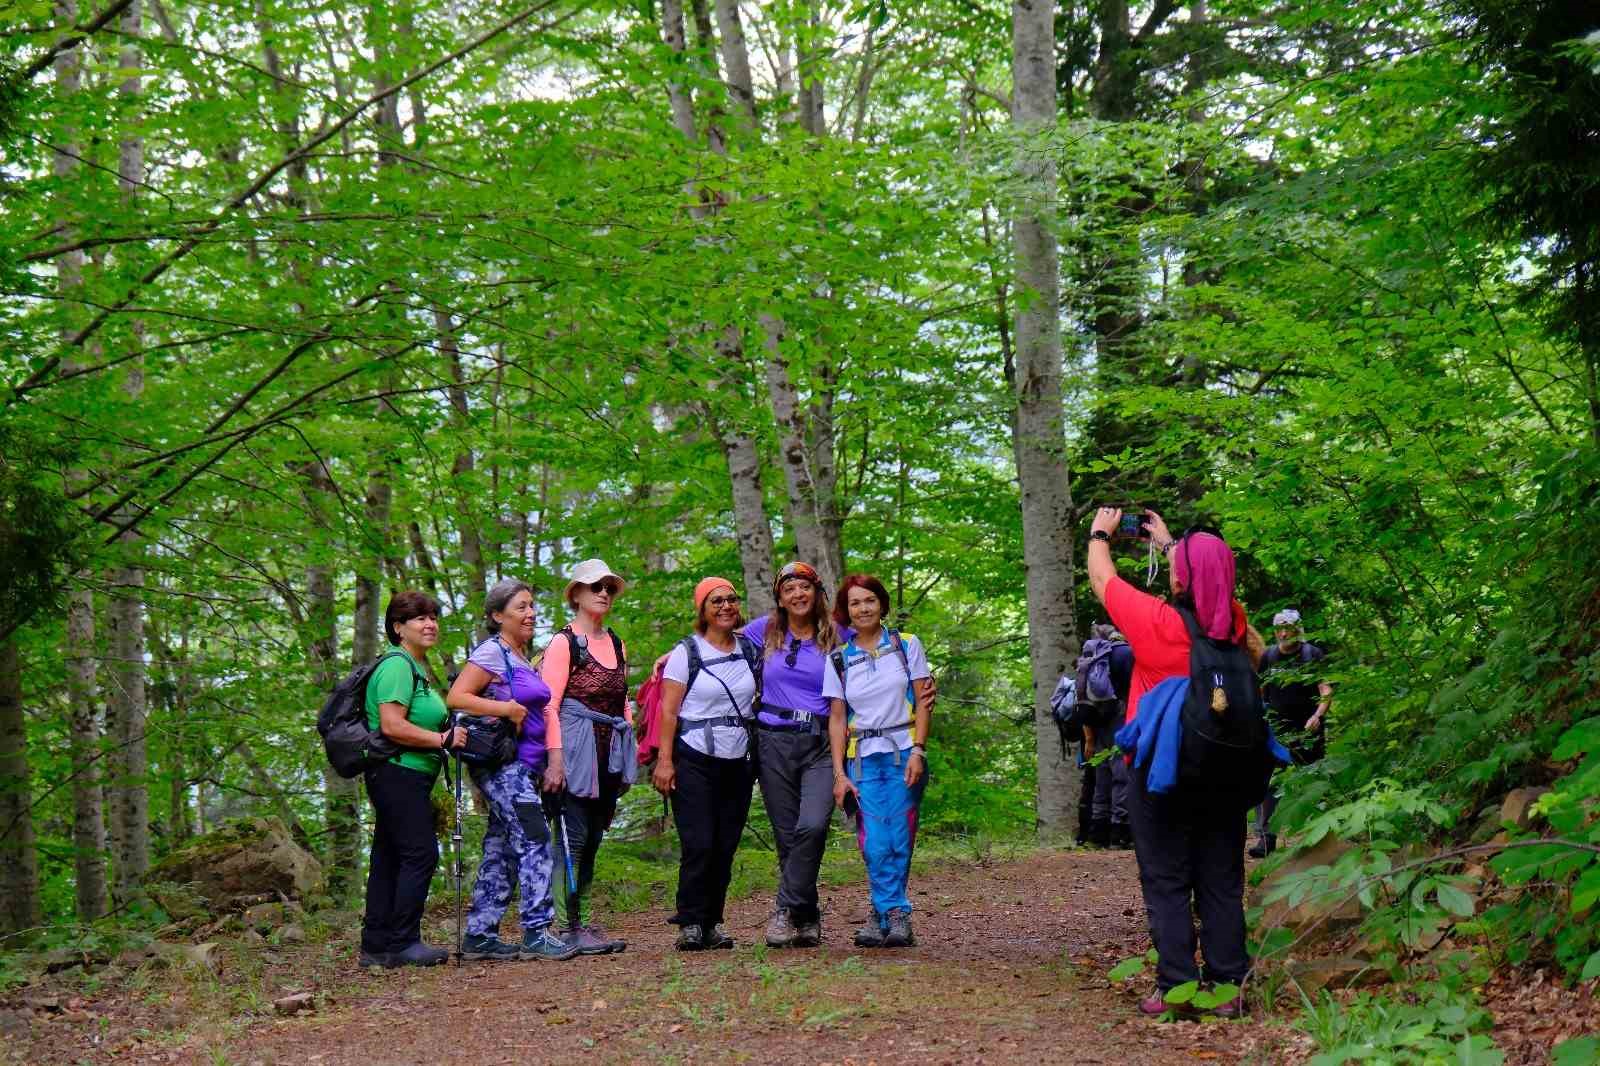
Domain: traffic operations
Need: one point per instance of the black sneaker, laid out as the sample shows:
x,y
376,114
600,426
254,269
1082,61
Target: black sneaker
x,y
690,938
718,937
487,947
899,933
419,954
871,934
808,934
1121,837
369,960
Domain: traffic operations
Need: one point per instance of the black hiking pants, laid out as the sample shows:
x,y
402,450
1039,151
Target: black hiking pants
x,y
404,854
796,771
710,806
578,824
1191,864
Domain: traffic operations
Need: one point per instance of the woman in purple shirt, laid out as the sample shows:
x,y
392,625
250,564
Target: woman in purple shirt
x,y
499,681
795,765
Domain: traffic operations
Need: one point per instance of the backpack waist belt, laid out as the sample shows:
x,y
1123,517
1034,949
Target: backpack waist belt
x,y
706,725
872,734
795,719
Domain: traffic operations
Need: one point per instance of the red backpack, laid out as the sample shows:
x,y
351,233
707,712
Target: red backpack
x,y
648,728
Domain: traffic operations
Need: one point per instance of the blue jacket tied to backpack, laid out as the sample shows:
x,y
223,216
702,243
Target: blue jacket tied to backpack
x,y
1155,735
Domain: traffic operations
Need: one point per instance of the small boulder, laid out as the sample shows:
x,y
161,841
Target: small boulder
x,y
1515,809
1320,914
247,857
264,917
294,1004
291,934
1346,971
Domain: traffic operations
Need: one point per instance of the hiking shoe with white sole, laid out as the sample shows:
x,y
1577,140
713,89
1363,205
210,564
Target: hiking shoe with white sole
x,y
690,938
899,934
718,937
488,947
781,929
543,944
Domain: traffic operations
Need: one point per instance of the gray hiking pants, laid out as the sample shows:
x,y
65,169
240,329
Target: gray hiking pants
x,y
1110,803
796,773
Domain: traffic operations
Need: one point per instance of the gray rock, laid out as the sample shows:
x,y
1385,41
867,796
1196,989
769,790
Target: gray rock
x,y
249,857
291,934
1347,971
1323,912
1514,809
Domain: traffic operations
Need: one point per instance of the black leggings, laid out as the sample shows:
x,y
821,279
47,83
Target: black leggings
x,y
578,824
405,853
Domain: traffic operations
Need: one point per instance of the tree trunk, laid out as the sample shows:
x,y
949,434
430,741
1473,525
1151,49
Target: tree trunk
x,y
736,63
88,817
461,468
126,709
750,518
808,473
19,858
1040,439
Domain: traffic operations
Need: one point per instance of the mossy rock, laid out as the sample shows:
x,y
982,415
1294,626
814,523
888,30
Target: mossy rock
x,y
246,857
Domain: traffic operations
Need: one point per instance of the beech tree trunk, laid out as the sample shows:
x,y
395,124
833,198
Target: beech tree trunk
x,y
19,857
806,448
83,697
126,708
1040,439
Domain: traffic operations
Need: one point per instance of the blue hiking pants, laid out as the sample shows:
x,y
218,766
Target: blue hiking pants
x,y
516,851
886,828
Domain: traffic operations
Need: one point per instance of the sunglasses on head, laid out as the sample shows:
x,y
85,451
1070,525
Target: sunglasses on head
x,y
607,586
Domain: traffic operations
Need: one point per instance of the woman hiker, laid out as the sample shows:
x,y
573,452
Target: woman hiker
x,y
591,749
877,687
406,709
1190,847
499,681
708,696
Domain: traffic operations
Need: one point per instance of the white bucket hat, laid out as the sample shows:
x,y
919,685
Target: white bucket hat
x,y
1289,617
588,572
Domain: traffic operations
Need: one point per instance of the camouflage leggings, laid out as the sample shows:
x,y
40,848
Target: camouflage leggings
x,y
516,847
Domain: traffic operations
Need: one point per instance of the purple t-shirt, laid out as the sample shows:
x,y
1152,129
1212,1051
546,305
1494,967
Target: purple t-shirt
x,y
525,686
797,687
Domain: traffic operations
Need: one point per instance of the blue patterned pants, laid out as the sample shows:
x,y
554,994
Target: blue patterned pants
x,y
516,851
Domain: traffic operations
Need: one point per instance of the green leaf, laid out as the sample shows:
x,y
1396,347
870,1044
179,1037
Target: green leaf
x,y
1579,1051
1126,968
1181,994
1455,900
1585,736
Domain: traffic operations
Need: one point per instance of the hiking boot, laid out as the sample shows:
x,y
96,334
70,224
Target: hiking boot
x,y
368,960
718,937
1154,1005
781,929
899,933
613,944
871,934
419,954
808,934
1100,834
543,944
690,938
1121,837
487,946
1264,847
585,941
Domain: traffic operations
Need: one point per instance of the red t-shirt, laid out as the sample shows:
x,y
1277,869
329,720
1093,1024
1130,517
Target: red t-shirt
x,y
1156,633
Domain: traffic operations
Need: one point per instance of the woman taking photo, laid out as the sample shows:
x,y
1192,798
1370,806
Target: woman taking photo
x,y
708,697
796,639
878,692
406,709
1189,844
590,745
499,682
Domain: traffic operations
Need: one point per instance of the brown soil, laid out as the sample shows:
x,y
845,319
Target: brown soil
x,y
1009,968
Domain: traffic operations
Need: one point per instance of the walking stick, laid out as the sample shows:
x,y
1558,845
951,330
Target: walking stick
x,y
566,853
455,838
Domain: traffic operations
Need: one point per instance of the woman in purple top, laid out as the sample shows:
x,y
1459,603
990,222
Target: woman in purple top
x,y
795,766
499,681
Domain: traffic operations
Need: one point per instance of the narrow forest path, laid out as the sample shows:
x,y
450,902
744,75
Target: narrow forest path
x,y
1009,968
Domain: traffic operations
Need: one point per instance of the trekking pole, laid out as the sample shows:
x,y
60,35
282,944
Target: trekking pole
x,y
566,853
455,839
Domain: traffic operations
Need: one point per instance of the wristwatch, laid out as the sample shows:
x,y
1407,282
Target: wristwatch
x,y
1100,534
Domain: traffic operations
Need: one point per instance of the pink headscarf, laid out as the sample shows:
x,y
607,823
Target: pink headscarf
x,y
1203,565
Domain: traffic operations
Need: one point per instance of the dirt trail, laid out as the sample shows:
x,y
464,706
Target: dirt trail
x,y
1009,968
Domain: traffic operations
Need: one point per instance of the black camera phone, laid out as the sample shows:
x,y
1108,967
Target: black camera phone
x,y
1135,525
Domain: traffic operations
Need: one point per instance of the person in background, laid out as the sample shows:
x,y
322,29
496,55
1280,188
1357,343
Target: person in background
x,y
708,696
1297,708
404,706
878,722
1108,811
1190,847
591,750
499,681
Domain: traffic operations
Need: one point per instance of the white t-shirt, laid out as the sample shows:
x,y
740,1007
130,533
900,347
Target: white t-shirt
x,y
877,690
709,699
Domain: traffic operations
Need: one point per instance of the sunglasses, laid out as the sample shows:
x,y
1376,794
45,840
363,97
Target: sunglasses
x,y
724,601
607,586
794,652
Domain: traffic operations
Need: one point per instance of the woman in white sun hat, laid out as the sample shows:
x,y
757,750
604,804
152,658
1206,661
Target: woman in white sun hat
x,y
593,753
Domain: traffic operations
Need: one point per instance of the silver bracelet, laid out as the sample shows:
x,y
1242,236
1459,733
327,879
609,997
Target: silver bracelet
x,y
916,749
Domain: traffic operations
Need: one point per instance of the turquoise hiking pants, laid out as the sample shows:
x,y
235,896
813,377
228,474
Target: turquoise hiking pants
x,y
886,828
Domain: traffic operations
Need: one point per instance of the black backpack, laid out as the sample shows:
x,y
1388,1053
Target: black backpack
x,y
351,746
1224,752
